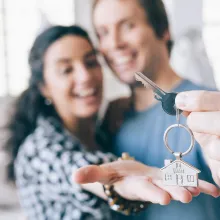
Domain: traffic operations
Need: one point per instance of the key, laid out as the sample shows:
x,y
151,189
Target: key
x,y
167,99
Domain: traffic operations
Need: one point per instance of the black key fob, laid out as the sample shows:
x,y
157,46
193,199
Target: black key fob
x,y
168,104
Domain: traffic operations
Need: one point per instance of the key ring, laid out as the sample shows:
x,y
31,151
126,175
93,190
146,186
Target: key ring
x,y
165,139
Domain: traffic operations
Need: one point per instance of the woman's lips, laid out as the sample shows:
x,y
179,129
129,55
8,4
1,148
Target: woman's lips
x,y
82,93
88,95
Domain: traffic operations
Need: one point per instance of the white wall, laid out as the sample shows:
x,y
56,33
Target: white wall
x,y
184,14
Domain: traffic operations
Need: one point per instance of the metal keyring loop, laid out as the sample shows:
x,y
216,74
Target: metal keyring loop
x,y
165,138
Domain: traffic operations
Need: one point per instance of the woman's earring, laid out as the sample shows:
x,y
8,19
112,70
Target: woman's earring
x,y
48,101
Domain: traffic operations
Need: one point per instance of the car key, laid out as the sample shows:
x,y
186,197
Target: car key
x,y
167,99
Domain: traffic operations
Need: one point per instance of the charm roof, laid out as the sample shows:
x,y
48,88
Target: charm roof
x,y
184,163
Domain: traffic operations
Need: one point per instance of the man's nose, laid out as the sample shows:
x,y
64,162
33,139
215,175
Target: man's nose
x,y
115,40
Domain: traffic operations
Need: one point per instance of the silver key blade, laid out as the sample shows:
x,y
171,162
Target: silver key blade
x,y
146,82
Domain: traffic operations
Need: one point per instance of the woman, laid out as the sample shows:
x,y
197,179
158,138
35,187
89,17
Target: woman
x,y
53,134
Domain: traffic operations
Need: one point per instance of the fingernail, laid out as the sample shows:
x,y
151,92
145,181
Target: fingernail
x,y
216,195
181,100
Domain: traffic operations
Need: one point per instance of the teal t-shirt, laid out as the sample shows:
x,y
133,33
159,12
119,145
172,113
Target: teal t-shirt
x,y
141,135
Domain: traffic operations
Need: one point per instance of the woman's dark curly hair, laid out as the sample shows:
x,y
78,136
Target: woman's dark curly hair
x,y
31,102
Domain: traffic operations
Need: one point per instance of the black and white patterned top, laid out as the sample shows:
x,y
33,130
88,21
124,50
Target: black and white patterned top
x,y
44,168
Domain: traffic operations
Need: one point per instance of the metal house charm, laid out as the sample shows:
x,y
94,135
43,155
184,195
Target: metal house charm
x,y
178,172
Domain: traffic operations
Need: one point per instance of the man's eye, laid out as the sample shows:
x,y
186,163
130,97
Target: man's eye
x,y
128,25
102,33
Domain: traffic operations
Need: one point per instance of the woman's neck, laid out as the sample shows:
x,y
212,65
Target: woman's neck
x,y
84,130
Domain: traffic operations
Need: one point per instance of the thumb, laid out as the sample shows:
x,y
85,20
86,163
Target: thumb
x,y
105,174
109,173
198,101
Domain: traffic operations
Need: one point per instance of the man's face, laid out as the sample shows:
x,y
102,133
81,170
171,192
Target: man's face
x,y
126,40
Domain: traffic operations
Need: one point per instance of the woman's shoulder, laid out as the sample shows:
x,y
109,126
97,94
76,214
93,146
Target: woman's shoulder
x,y
51,140
48,135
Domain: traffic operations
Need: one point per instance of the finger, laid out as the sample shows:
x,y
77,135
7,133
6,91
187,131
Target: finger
x,y
204,122
152,193
195,191
198,101
87,174
145,190
109,173
210,146
102,174
208,188
186,114
177,193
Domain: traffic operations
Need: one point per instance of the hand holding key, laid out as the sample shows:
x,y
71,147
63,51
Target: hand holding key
x,y
203,111
167,99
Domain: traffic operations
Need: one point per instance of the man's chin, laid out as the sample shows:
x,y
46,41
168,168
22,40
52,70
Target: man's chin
x,y
125,77
130,81
127,81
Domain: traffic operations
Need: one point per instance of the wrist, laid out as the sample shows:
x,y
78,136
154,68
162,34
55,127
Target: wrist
x,y
120,199
120,188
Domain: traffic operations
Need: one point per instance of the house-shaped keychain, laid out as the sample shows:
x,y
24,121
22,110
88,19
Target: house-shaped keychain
x,y
179,173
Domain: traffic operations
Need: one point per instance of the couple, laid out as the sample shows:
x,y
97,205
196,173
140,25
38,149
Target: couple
x,y
53,129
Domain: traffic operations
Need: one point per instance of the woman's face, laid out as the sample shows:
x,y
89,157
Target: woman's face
x,y
72,78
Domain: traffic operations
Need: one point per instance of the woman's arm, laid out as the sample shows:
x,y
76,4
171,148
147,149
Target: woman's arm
x,y
135,181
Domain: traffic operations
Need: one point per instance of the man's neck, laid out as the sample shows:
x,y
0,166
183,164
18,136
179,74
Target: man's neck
x,y
144,98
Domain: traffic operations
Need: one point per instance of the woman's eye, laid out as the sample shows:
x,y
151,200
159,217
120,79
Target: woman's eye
x,y
67,70
92,63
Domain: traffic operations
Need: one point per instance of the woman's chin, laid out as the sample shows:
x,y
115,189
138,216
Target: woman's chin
x,y
88,113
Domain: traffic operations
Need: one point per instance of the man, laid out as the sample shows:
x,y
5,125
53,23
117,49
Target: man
x,y
134,36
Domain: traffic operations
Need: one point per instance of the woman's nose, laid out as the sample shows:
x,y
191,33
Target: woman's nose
x,y
82,74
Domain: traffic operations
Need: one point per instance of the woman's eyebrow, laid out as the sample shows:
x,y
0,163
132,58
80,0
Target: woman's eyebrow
x,y
91,53
63,60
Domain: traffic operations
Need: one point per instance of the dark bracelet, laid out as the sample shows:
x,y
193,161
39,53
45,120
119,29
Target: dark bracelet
x,y
120,204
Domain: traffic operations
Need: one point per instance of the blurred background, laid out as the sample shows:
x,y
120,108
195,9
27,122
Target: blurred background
x,y
195,28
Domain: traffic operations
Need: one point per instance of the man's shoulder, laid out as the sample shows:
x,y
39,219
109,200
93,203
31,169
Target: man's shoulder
x,y
187,85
